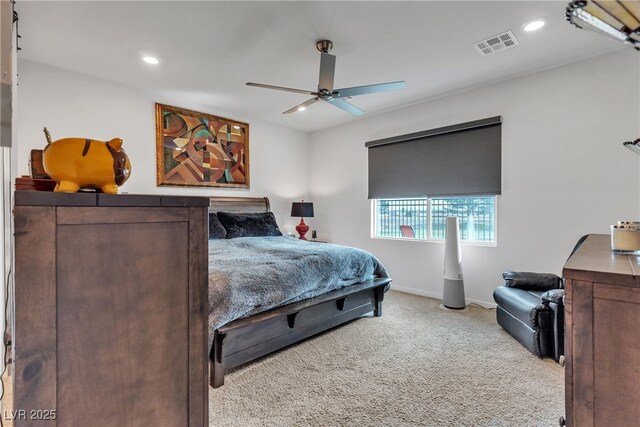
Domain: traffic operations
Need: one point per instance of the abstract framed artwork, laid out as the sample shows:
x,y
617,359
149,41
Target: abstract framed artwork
x,y
202,150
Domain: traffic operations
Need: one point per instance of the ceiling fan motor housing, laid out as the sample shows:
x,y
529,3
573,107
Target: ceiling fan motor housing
x,y
326,94
324,46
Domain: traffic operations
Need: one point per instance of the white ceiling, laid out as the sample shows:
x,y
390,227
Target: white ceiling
x,y
208,50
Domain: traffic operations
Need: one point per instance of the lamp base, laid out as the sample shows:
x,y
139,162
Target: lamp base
x,y
302,229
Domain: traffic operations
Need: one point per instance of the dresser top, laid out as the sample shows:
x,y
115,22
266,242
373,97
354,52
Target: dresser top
x,y
595,256
48,198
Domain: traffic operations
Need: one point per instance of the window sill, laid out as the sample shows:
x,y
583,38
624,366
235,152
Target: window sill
x,y
441,242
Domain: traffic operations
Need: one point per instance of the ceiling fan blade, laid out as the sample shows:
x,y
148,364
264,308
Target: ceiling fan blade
x,y
304,105
327,69
344,105
363,90
288,89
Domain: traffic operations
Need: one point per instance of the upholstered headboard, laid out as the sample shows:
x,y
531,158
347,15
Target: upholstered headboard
x,y
239,204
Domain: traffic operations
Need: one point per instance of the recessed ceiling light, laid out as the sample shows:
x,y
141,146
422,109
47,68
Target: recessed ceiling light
x,y
302,108
534,25
151,60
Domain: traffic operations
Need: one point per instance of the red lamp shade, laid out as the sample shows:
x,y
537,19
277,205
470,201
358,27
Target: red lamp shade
x,y
302,209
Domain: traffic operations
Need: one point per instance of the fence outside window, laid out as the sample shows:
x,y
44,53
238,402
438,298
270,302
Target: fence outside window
x,y
428,217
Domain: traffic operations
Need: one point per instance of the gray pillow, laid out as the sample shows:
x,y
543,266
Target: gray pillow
x,y
216,230
249,224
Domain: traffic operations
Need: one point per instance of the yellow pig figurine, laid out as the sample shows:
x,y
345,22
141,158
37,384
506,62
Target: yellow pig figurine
x,y
76,163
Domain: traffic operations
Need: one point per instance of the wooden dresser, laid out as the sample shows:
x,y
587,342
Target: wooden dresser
x,y
602,346
110,310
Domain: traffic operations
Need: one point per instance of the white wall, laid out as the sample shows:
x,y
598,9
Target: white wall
x,y
71,104
565,172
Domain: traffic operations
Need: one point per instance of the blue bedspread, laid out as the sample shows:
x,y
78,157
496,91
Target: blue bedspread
x,y
248,275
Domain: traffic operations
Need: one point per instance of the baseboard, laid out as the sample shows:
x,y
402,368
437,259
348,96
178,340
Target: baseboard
x,y
438,295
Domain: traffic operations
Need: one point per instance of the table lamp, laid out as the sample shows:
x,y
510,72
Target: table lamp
x,y
302,209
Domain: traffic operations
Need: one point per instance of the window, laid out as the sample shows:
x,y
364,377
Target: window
x,y
427,217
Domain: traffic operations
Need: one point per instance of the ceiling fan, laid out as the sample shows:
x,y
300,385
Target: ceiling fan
x,y
326,92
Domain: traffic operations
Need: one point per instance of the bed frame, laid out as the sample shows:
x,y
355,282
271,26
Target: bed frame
x,y
250,338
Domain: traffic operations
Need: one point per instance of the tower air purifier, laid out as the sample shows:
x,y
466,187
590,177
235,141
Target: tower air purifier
x,y
453,287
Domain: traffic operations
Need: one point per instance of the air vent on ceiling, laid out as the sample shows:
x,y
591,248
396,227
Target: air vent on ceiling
x,y
493,44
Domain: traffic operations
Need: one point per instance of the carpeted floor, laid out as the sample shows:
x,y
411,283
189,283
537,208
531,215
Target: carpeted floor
x,y
416,365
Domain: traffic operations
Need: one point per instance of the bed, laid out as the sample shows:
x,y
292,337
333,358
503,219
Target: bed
x,y
242,329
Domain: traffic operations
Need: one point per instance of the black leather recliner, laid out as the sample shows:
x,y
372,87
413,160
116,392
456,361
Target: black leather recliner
x,y
530,309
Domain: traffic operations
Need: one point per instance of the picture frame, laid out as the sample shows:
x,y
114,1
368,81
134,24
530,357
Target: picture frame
x,y
200,150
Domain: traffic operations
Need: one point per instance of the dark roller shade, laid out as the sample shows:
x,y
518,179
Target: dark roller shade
x,y
459,160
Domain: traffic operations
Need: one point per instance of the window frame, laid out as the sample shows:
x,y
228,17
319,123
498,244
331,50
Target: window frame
x,y
429,238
